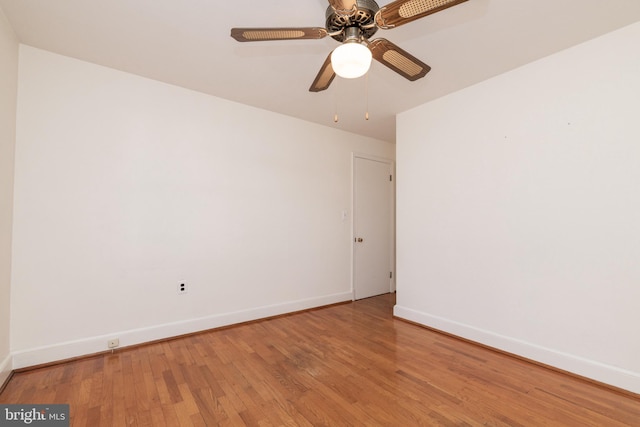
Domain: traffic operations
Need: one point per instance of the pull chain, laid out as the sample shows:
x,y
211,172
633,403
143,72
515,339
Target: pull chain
x,y
335,103
366,90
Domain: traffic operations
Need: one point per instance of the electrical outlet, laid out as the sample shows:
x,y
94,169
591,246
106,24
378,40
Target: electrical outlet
x,y
113,343
182,288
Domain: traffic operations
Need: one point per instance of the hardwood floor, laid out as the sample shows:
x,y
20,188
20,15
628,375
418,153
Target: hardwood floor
x,y
350,364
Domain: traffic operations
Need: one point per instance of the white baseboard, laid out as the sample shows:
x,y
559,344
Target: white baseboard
x,y
600,372
70,349
6,366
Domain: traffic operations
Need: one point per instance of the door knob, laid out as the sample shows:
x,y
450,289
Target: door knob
x,y
360,239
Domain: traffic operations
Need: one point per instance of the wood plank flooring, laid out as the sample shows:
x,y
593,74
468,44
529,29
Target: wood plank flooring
x,y
350,364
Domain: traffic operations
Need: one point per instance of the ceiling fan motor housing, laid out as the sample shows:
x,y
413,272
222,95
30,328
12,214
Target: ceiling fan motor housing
x,y
362,18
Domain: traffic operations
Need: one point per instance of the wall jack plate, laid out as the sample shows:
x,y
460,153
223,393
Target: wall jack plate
x,y
113,343
182,288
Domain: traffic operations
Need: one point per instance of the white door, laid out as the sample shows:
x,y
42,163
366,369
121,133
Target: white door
x,y
373,227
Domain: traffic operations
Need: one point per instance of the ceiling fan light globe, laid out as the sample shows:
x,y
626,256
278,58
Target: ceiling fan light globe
x,y
351,60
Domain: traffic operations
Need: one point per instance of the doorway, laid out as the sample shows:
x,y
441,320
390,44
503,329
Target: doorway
x,y
373,227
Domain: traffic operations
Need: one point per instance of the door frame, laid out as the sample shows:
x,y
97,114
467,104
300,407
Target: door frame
x,y
392,220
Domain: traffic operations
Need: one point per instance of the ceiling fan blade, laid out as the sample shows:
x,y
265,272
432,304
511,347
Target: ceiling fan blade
x,y
343,5
265,34
398,60
324,78
401,12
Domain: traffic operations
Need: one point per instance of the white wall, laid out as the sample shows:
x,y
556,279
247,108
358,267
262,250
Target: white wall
x,y
518,211
126,187
8,94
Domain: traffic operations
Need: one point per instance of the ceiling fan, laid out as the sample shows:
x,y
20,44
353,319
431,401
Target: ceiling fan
x,y
352,23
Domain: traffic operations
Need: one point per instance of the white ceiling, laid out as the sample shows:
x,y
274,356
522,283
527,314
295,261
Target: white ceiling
x,y
187,43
